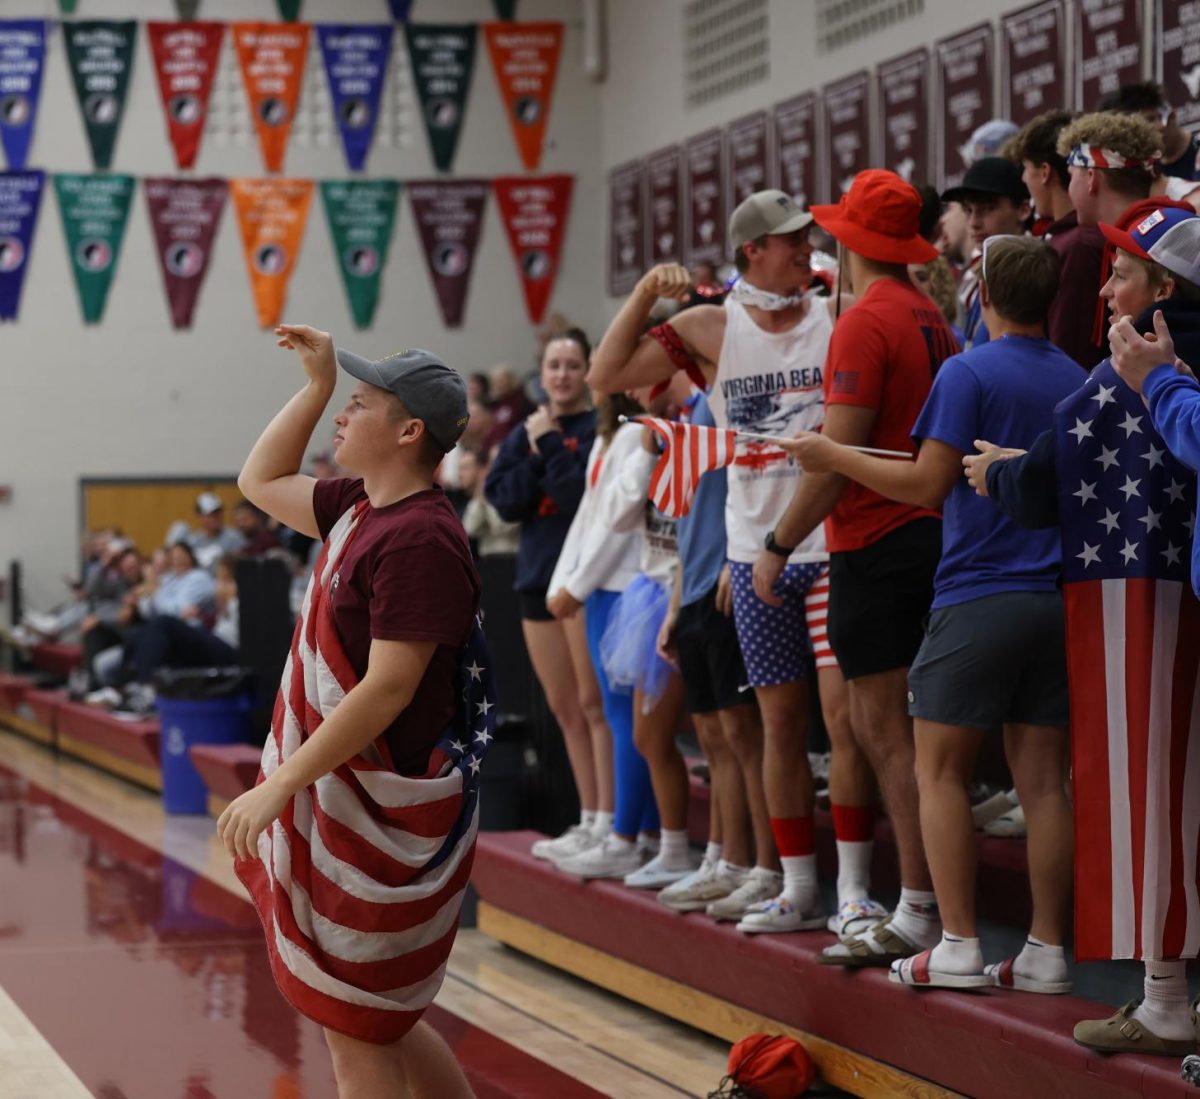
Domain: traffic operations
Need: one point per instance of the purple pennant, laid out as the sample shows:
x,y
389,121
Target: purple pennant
x,y
400,9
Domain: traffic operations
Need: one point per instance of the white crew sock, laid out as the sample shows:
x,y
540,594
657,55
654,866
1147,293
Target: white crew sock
x,y
854,870
673,848
800,879
1164,1011
712,853
916,918
956,955
602,823
587,819
1041,961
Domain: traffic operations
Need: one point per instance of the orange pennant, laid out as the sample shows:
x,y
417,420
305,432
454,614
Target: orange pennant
x,y
272,57
525,59
272,214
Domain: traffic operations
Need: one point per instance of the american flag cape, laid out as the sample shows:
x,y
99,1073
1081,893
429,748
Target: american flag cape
x,y
1127,513
689,452
360,881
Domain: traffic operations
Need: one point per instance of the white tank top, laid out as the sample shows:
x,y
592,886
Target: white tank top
x,y
769,382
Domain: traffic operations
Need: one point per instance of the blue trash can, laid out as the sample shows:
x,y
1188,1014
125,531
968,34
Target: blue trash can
x,y
185,722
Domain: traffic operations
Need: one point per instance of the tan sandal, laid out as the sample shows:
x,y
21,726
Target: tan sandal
x,y
856,953
1122,1034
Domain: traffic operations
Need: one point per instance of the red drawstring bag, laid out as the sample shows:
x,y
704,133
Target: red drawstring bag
x,y
766,1066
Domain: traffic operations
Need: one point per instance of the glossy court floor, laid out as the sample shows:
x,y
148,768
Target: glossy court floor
x,y
132,967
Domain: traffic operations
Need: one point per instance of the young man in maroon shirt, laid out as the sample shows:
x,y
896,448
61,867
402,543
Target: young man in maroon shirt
x,y
403,602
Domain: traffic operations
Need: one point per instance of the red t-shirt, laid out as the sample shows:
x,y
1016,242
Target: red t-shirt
x,y
407,575
883,355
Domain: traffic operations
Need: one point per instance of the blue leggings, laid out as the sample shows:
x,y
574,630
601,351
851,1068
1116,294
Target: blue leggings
x,y
634,808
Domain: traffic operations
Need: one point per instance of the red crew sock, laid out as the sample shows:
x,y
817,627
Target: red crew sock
x,y
793,836
854,823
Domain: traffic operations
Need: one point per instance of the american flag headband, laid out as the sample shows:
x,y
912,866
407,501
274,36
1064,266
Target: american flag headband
x,y
1095,156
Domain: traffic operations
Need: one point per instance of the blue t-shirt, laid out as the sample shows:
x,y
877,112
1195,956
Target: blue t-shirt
x,y
701,533
1003,391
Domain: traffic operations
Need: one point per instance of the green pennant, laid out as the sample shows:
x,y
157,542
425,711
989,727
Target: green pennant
x,y
101,55
67,7
94,211
442,58
506,9
361,213
289,10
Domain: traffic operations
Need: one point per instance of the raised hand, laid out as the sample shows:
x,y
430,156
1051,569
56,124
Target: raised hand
x,y
315,349
667,280
1134,356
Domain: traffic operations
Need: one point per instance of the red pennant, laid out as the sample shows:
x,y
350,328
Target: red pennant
x,y
534,211
185,55
272,57
525,59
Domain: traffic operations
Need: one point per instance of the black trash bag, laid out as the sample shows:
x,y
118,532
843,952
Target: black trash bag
x,y
199,684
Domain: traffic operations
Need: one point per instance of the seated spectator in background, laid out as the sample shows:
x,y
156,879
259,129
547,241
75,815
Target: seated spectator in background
x,y
1080,248
99,578
252,526
213,539
109,619
1149,101
479,389
965,681
996,203
489,533
473,439
509,406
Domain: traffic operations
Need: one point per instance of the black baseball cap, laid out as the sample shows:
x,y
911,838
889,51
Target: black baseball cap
x,y
990,175
424,384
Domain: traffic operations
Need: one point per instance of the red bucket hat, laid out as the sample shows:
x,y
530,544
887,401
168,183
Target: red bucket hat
x,y
879,218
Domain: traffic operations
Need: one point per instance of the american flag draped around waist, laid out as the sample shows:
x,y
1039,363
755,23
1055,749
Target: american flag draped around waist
x,y
1127,511
360,882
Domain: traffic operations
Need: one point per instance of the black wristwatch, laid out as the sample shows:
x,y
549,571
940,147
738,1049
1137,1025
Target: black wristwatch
x,y
774,547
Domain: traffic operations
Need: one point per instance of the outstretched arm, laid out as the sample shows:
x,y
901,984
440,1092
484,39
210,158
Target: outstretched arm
x,y
627,359
271,477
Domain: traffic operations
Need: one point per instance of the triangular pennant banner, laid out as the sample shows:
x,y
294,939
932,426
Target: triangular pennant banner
x,y
271,214
272,57
20,197
449,216
506,9
356,58
186,9
185,56
534,211
289,10
94,212
184,214
101,55
22,56
442,60
361,214
525,57
67,7
400,9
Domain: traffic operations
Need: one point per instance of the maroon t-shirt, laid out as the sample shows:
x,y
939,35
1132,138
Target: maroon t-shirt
x,y
407,575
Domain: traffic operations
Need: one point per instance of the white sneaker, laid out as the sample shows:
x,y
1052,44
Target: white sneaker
x,y
780,915
699,889
658,873
987,811
105,696
41,622
611,858
574,841
1010,825
761,884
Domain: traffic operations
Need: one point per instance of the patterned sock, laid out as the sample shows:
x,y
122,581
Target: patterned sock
x,y
1041,961
854,827
1164,1010
916,918
956,955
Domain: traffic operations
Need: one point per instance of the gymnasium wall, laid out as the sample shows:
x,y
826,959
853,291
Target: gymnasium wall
x,y
133,397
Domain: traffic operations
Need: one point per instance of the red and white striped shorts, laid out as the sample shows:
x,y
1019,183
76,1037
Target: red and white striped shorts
x,y
816,613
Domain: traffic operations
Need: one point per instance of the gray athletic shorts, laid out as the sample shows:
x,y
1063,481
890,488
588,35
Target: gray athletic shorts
x,y
996,660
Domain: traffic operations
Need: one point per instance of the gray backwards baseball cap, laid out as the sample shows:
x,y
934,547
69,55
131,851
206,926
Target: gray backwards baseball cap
x,y
1178,250
766,214
424,384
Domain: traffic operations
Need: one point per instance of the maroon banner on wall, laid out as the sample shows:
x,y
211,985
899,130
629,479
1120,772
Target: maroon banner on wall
x,y
664,221
1108,48
626,228
449,216
704,200
904,112
1177,60
964,68
847,131
748,164
1031,58
796,146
